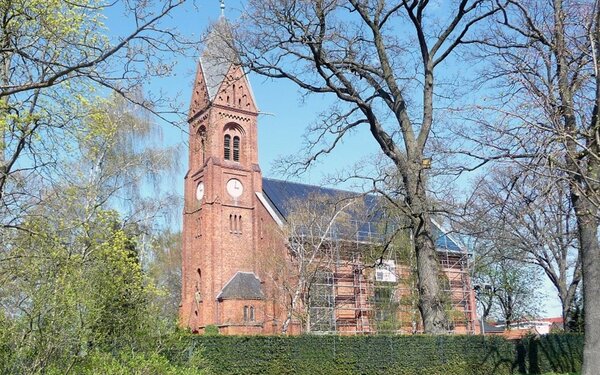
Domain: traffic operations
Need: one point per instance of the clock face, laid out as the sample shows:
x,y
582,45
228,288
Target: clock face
x,y
200,191
235,188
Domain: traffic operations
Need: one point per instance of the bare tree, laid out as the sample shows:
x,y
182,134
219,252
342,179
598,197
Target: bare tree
x,y
546,68
522,216
380,61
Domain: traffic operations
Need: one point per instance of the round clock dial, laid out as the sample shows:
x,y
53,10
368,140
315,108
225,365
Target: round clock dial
x,y
200,191
235,188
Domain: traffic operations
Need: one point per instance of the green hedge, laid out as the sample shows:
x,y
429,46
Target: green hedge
x,y
421,354
560,353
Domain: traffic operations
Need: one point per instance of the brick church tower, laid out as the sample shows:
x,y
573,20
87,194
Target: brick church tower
x,y
220,285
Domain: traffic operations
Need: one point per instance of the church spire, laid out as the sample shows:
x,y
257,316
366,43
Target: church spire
x,y
218,56
222,8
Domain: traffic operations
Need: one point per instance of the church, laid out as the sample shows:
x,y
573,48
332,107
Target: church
x,y
234,223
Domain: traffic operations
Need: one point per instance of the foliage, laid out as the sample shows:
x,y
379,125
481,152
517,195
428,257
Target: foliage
x,y
125,364
508,290
55,60
211,330
164,270
72,281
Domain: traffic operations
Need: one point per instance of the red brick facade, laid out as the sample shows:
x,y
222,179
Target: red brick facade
x,y
220,228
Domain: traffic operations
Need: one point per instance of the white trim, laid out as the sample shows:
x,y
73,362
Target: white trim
x,y
269,208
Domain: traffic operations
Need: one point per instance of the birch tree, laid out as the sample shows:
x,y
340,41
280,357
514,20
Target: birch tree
x,y
56,57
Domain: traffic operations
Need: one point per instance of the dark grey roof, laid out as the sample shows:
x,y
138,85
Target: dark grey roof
x,y
243,285
217,57
488,328
282,193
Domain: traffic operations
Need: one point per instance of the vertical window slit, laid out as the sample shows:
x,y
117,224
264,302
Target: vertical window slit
x,y
260,227
236,148
227,147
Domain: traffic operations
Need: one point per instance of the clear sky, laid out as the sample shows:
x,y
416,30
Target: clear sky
x,y
284,114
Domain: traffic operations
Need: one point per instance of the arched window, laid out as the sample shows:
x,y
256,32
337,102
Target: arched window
x,y
236,148
245,313
251,313
227,147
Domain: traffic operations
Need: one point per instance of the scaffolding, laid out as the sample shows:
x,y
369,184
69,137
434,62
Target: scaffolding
x,y
355,296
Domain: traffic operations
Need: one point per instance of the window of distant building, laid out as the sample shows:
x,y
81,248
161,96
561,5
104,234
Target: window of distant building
x,y
201,141
235,224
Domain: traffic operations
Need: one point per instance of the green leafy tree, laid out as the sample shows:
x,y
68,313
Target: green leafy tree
x,y
56,58
72,281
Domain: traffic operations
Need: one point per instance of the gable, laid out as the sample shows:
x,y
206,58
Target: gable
x,y
242,286
234,91
200,98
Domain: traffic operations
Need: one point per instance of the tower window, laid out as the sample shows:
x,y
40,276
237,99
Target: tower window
x,y
227,147
236,148
235,224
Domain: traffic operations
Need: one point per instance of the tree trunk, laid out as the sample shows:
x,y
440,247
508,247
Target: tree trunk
x,y
431,304
567,317
292,308
590,255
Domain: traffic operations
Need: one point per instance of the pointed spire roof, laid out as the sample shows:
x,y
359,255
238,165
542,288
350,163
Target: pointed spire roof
x,y
218,56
